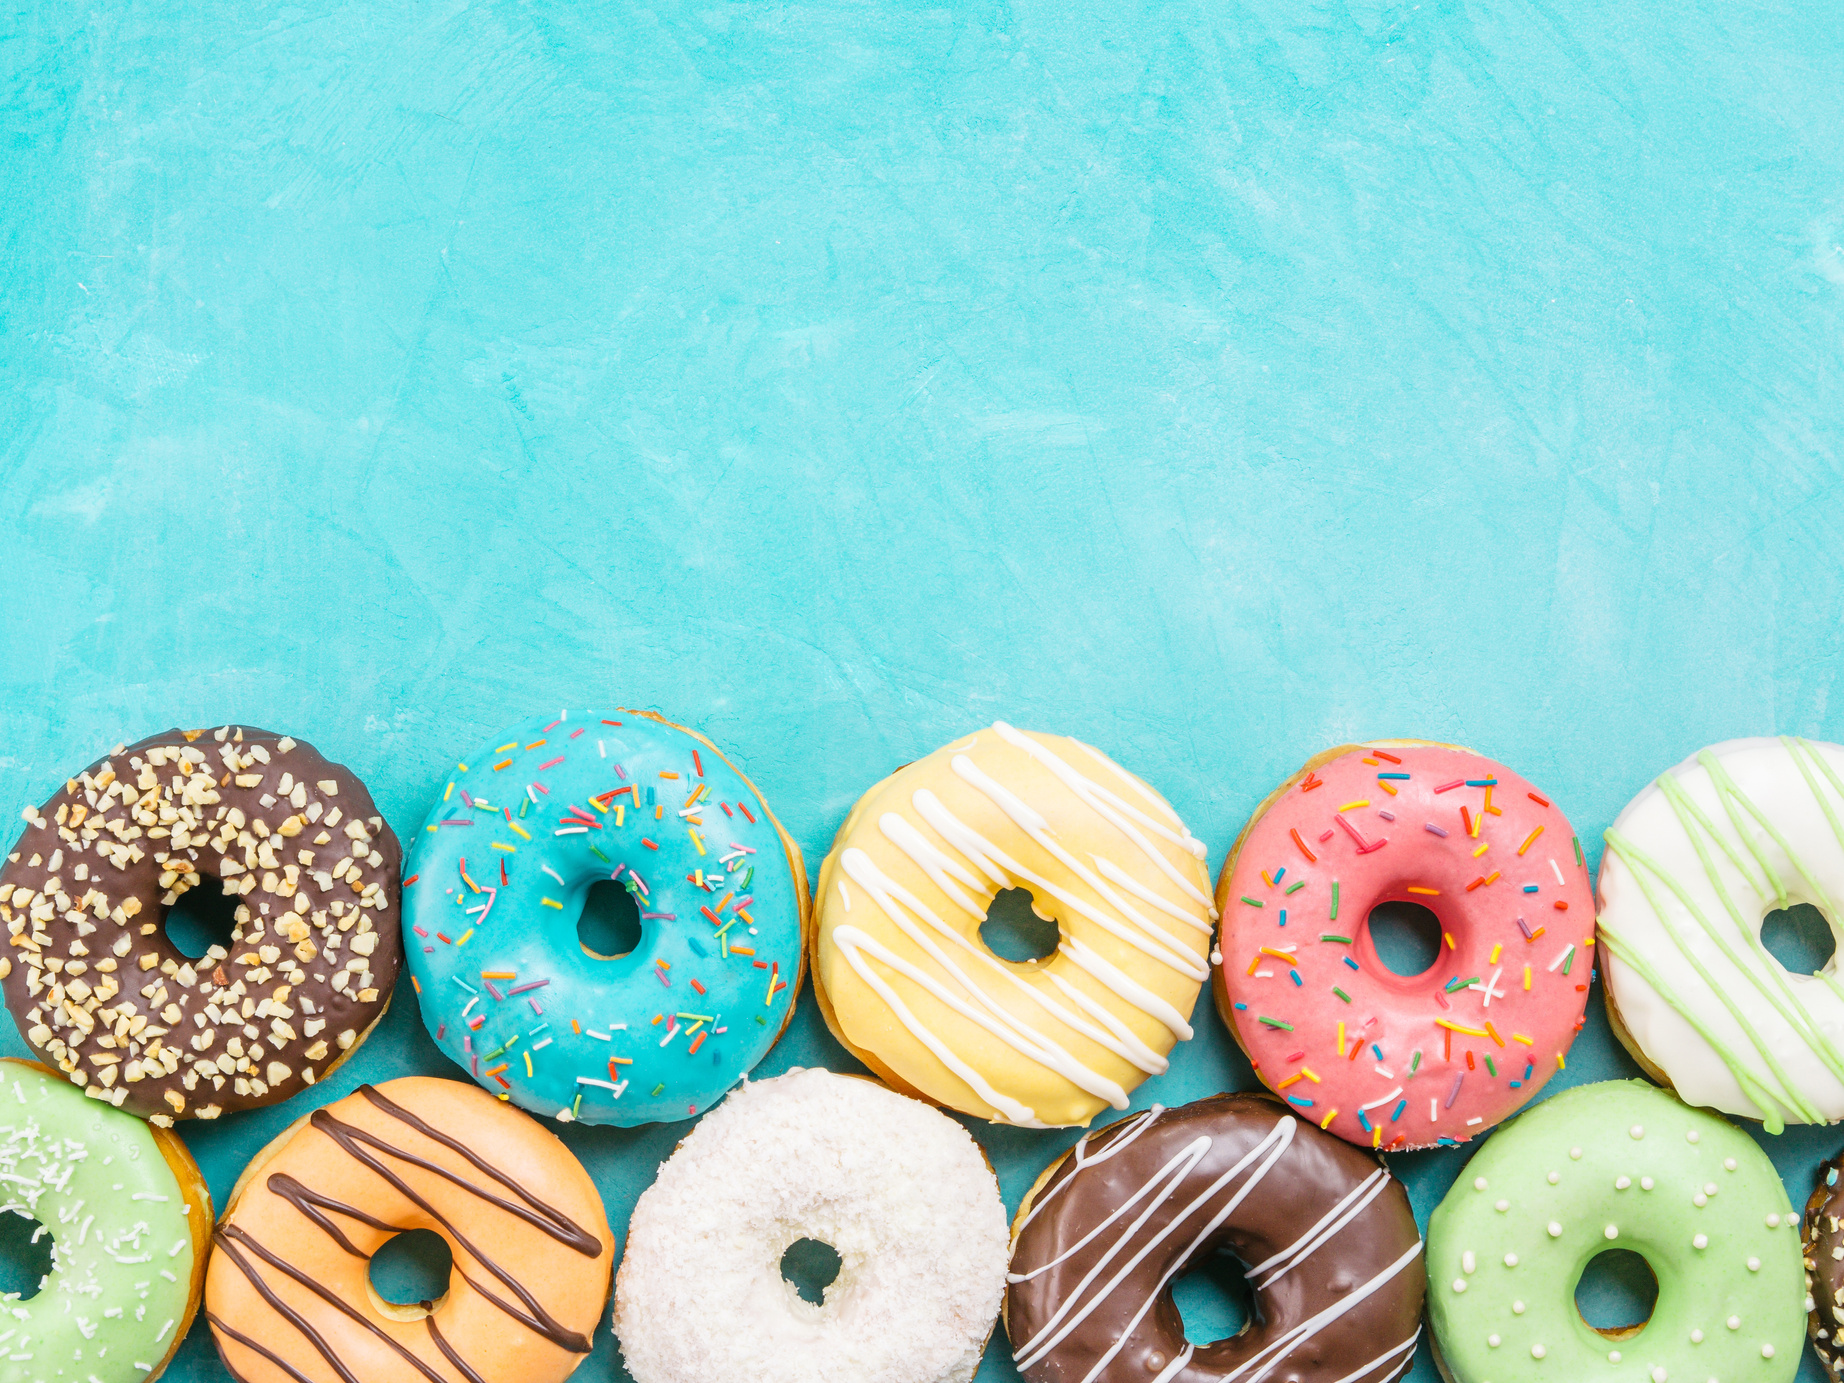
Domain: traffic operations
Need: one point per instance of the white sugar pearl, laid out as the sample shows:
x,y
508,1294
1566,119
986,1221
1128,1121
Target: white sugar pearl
x,y
1467,1262
1575,1154
1754,1265
1613,1356
1621,1183
1728,1164
1638,1131
1517,1308
1611,1232
1555,1230
1773,1222
1459,1284
1658,1374
1510,1260
1710,1188
1702,1241
1767,1351
1699,1200
1493,1341
1502,1207
1696,1337
1691,1136
1734,1322
1554,1177
1478,1183
1537,1351
1646,1183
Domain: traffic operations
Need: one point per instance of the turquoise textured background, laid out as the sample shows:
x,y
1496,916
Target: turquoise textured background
x,y
1213,382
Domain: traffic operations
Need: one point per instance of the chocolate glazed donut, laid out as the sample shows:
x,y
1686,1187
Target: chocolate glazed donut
x,y
1824,1235
1336,1259
98,990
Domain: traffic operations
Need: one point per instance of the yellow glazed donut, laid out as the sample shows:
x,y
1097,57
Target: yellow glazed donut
x,y
908,986
288,1292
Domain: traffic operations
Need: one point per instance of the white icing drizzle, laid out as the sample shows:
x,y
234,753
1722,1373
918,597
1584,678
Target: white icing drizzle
x,y
1305,1330
850,940
1075,1310
898,903
1095,794
1128,1130
1159,805
1087,1295
961,973
1335,1219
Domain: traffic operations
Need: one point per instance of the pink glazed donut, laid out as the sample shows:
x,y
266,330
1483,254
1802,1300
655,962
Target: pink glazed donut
x,y
1381,1059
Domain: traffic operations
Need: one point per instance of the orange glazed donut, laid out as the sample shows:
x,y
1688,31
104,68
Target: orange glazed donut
x,y
288,1291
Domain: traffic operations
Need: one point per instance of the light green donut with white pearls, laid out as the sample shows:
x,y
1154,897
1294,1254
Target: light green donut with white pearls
x,y
122,1286
1621,1164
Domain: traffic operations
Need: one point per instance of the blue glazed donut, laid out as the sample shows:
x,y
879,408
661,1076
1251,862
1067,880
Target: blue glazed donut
x,y
497,881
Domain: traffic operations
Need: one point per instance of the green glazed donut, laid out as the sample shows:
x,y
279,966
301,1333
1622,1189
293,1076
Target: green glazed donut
x,y
1624,1165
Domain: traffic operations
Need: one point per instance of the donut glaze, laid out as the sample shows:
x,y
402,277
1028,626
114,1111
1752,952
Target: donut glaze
x,y
288,1292
909,987
97,988
1616,1165
498,879
1336,1259
1383,1059
1824,1236
1692,867
899,1190
128,1212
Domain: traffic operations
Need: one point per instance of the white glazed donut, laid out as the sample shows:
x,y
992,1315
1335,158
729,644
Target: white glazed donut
x,y
899,1190
1693,865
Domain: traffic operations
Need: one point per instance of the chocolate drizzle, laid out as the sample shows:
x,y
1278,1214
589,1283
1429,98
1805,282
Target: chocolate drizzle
x,y
1337,1276
552,1221
241,1248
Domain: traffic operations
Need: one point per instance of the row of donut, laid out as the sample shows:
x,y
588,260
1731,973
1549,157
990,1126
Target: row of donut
x,y
525,828
900,972
1083,1282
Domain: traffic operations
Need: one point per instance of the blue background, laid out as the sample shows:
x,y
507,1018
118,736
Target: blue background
x,y
1213,382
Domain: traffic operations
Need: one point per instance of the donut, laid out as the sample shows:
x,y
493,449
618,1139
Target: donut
x,y
100,992
1693,865
497,881
288,1294
1620,1164
899,1190
907,985
128,1212
1824,1261
1334,1259
1374,1057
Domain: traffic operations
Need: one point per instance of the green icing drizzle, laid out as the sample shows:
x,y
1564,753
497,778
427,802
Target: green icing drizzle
x,y
1765,973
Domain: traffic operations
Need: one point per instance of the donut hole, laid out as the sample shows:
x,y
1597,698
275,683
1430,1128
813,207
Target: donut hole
x,y
610,925
1616,1293
810,1267
409,1274
1799,938
1214,1299
1014,930
201,918
1406,937
25,1255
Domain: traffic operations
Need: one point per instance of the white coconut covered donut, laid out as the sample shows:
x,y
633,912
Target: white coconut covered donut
x,y
899,1190
1693,866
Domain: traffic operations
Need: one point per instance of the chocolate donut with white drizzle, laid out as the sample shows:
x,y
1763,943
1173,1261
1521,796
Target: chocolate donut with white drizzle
x,y
1337,1262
